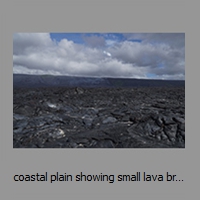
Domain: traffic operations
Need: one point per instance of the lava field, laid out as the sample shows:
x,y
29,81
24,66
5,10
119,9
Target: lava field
x,y
76,117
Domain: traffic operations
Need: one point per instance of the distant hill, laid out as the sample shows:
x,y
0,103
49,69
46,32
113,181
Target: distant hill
x,y
35,81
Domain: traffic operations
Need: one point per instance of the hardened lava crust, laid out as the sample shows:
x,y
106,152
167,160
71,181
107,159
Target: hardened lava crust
x,y
146,117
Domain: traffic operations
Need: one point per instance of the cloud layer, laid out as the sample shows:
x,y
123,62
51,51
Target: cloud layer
x,y
158,56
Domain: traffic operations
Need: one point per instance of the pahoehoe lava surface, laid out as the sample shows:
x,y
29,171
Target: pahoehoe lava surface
x,y
76,117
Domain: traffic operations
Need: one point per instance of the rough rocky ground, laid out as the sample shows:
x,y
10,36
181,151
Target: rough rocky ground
x,y
99,117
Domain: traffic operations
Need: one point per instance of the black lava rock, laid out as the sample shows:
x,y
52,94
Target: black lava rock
x,y
144,117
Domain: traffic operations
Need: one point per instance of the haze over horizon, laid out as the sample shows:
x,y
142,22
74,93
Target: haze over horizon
x,y
115,55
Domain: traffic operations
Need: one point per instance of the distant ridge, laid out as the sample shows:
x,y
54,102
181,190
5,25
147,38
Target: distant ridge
x,y
37,81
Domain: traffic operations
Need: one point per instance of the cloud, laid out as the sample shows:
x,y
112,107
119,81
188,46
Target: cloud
x,y
175,40
158,59
26,42
37,53
107,53
110,42
94,41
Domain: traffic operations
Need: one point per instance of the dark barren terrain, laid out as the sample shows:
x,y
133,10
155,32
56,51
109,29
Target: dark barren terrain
x,y
71,112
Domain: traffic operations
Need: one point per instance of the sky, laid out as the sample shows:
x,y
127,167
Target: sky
x,y
121,55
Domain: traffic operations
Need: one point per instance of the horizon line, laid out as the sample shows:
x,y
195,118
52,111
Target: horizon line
x,y
101,77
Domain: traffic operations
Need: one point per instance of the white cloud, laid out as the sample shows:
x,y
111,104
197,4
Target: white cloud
x,y
110,42
27,42
36,53
107,53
